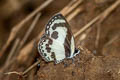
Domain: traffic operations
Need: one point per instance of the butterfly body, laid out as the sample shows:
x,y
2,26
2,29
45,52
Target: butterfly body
x,y
58,42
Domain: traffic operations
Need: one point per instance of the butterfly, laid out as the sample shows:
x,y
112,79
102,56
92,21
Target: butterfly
x,y
57,43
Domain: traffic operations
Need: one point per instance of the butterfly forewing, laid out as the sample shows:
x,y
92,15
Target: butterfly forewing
x,y
59,29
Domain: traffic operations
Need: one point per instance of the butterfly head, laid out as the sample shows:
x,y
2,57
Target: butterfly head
x,y
77,51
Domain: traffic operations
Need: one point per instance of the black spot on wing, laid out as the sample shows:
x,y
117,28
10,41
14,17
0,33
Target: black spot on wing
x,y
47,45
45,54
48,49
41,47
53,55
48,58
50,41
42,51
54,35
58,25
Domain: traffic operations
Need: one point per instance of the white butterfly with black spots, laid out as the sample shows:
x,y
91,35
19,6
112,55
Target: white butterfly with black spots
x,y
57,43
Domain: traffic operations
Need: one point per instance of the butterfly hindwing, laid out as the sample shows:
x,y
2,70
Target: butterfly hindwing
x,y
51,50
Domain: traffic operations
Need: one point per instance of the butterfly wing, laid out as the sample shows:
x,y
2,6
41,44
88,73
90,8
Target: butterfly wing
x,y
51,50
59,30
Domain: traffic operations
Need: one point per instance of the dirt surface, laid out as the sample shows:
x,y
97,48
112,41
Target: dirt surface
x,y
95,62
84,67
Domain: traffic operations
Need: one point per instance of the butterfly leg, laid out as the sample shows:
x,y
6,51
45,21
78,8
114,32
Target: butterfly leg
x,y
38,65
73,60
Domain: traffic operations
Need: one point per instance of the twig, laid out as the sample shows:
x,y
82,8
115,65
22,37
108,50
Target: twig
x,y
27,34
112,40
109,10
17,27
119,71
70,8
26,71
31,67
74,13
24,52
13,72
87,26
83,36
102,17
98,35
10,56
22,42
5,67
12,52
